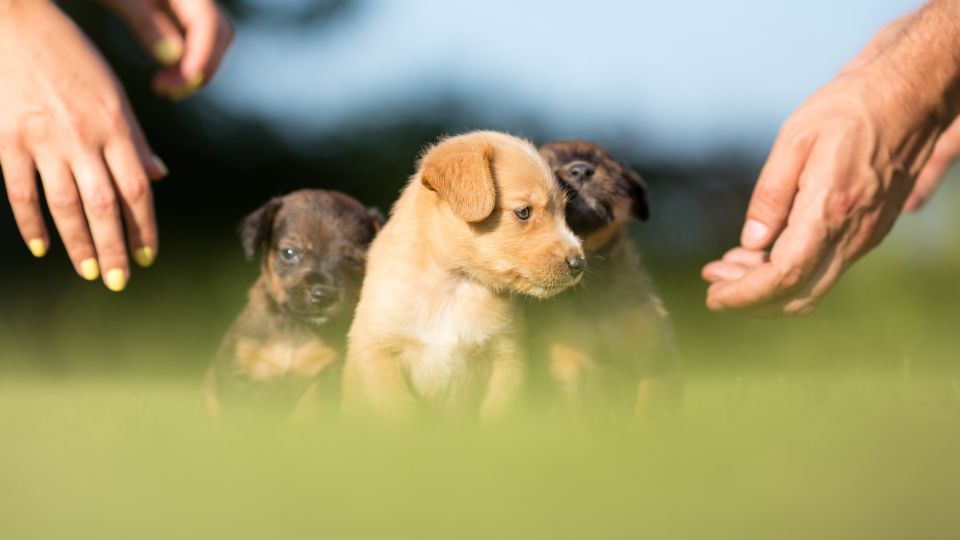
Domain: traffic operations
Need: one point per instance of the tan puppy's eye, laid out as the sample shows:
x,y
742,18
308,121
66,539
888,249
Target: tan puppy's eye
x,y
522,214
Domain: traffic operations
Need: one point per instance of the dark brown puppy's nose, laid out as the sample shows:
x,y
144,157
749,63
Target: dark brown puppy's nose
x,y
576,265
323,296
581,171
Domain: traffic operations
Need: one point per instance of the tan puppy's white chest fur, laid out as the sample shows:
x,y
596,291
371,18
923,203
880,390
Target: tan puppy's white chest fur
x,y
450,334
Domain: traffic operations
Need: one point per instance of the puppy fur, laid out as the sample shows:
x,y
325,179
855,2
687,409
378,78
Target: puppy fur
x,y
608,342
436,328
291,333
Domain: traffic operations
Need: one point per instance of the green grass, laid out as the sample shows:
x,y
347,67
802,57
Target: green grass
x,y
845,424
751,457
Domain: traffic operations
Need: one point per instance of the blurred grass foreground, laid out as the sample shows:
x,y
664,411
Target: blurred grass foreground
x,y
840,425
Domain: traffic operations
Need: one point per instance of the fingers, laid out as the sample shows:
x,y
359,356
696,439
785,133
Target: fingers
x,y
155,168
722,271
944,154
103,217
774,193
926,185
136,200
21,183
804,301
746,257
797,254
208,34
155,30
734,265
67,211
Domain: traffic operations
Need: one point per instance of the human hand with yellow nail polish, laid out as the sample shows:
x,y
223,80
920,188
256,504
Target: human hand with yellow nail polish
x,y
63,114
189,38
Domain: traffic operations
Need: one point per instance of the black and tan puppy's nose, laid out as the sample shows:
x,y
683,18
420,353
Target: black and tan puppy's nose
x,y
581,170
323,296
576,265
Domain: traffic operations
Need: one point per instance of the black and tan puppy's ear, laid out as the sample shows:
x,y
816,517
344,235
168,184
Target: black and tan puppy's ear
x,y
375,221
376,218
460,170
639,193
255,228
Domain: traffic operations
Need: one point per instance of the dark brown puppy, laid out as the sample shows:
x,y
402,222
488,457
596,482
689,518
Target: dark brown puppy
x,y
289,337
608,342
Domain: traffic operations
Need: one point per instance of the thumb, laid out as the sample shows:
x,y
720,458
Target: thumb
x,y
773,195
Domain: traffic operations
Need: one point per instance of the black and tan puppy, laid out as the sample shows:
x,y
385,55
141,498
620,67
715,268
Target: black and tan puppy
x,y
287,341
608,342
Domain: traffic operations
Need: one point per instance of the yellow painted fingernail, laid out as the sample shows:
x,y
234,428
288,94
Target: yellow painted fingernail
x,y
188,89
161,166
144,256
89,269
116,280
38,247
167,52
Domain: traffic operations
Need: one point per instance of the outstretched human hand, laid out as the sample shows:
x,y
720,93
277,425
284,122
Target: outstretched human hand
x,y
842,169
64,115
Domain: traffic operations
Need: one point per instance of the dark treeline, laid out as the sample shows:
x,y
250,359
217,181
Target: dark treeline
x,y
225,164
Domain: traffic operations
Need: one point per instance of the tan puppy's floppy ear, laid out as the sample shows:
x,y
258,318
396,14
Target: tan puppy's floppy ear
x,y
460,170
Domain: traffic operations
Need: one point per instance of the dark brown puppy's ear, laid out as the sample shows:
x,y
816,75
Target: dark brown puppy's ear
x,y
255,228
375,220
549,155
639,194
460,170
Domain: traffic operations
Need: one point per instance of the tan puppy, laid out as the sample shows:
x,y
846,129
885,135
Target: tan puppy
x,y
435,326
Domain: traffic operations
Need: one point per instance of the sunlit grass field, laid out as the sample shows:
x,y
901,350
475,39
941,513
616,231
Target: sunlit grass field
x,y
845,424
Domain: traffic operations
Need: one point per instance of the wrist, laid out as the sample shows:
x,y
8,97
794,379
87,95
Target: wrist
x,y
923,63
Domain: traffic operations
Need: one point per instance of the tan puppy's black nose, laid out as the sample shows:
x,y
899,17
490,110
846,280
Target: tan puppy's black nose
x,y
576,265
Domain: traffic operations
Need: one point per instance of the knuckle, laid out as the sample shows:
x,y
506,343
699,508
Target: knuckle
x,y
794,133
35,126
9,134
112,251
83,135
113,116
790,276
102,200
840,205
766,201
135,191
843,204
22,196
62,200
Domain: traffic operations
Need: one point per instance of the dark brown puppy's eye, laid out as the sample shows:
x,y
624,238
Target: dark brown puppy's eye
x,y
522,214
290,255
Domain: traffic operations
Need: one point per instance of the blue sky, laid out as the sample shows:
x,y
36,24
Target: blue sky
x,y
691,75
